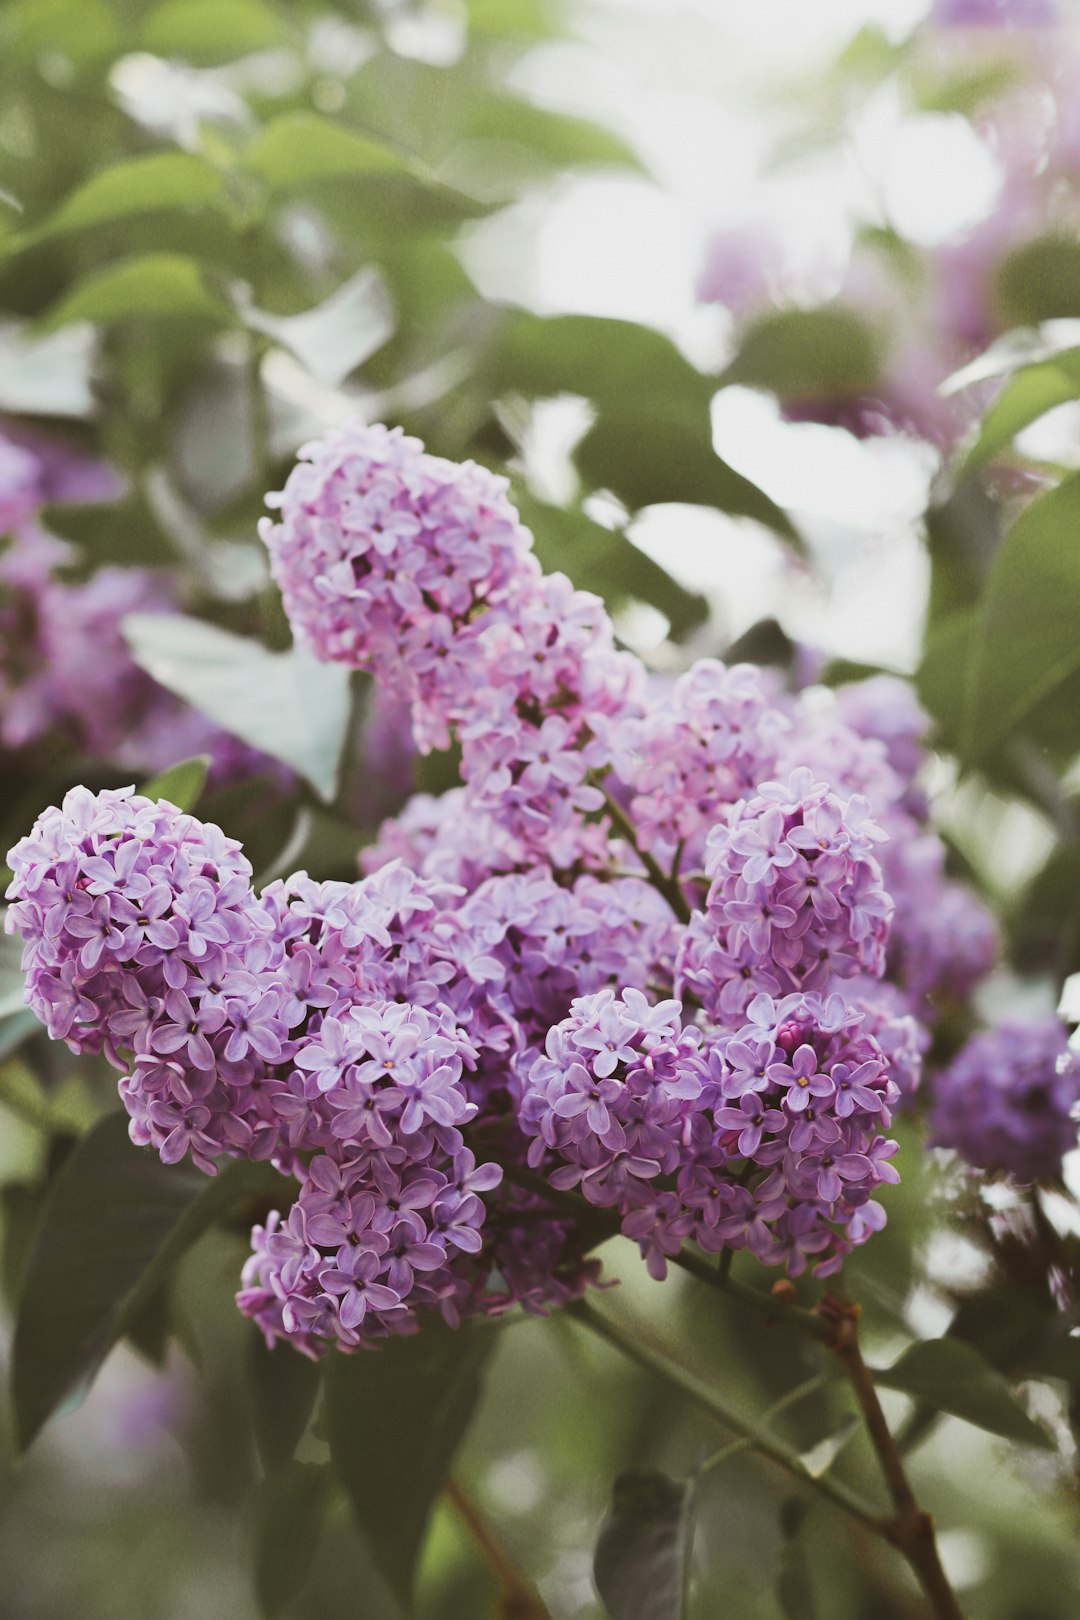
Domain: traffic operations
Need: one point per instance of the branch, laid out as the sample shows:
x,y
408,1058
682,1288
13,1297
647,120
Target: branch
x,y
660,1360
518,1600
911,1529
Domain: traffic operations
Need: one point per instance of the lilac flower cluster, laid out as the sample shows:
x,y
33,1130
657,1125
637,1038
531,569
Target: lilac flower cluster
x,y
1010,1100
637,959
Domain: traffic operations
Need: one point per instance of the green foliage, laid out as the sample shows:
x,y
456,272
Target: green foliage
x,y
1024,644
1039,281
153,286
297,148
116,1223
647,457
641,1559
285,704
284,1388
807,353
953,1377
395,1417
289,1513
211,30
181,784
151,184
1030,393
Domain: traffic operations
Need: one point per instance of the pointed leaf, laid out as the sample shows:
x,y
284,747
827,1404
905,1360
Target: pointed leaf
x,y
140,185
289,1516
1039,281
299,147
165,286
641,1555
181,785
1032,392
284,1386
801,353
116,1222
649,459
286,704
608,361
954,1378
395,1417
211,30
1024,643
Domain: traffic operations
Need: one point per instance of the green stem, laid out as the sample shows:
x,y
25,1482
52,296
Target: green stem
x,y
792,1398
772,1306
659,1359
660,880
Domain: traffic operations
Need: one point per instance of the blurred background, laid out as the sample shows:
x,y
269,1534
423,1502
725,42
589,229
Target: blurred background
x,y
771,313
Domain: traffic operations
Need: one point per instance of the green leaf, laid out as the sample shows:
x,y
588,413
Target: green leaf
x,y
801,353
941,676
643,1549
286,704
563,140
181,785
1032,392
395,1417
1039,281
284,1386
300,147
531,18
288,1518
954,1378
607,562
140,185
608,361
162,286
82,29
210,30
335,337
116,1222
649,459
1025,643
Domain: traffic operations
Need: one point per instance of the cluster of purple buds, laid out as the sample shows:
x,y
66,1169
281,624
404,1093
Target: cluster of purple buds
x,y
1010,1100
795,898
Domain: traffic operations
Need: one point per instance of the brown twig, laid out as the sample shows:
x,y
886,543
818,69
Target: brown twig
x,y
910,1529
518,1600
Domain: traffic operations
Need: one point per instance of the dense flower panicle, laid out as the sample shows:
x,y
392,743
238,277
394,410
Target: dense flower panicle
x,y
623,1098
794,885
1009,1100
705,744
609,1093
385,554
142,939
491,1004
